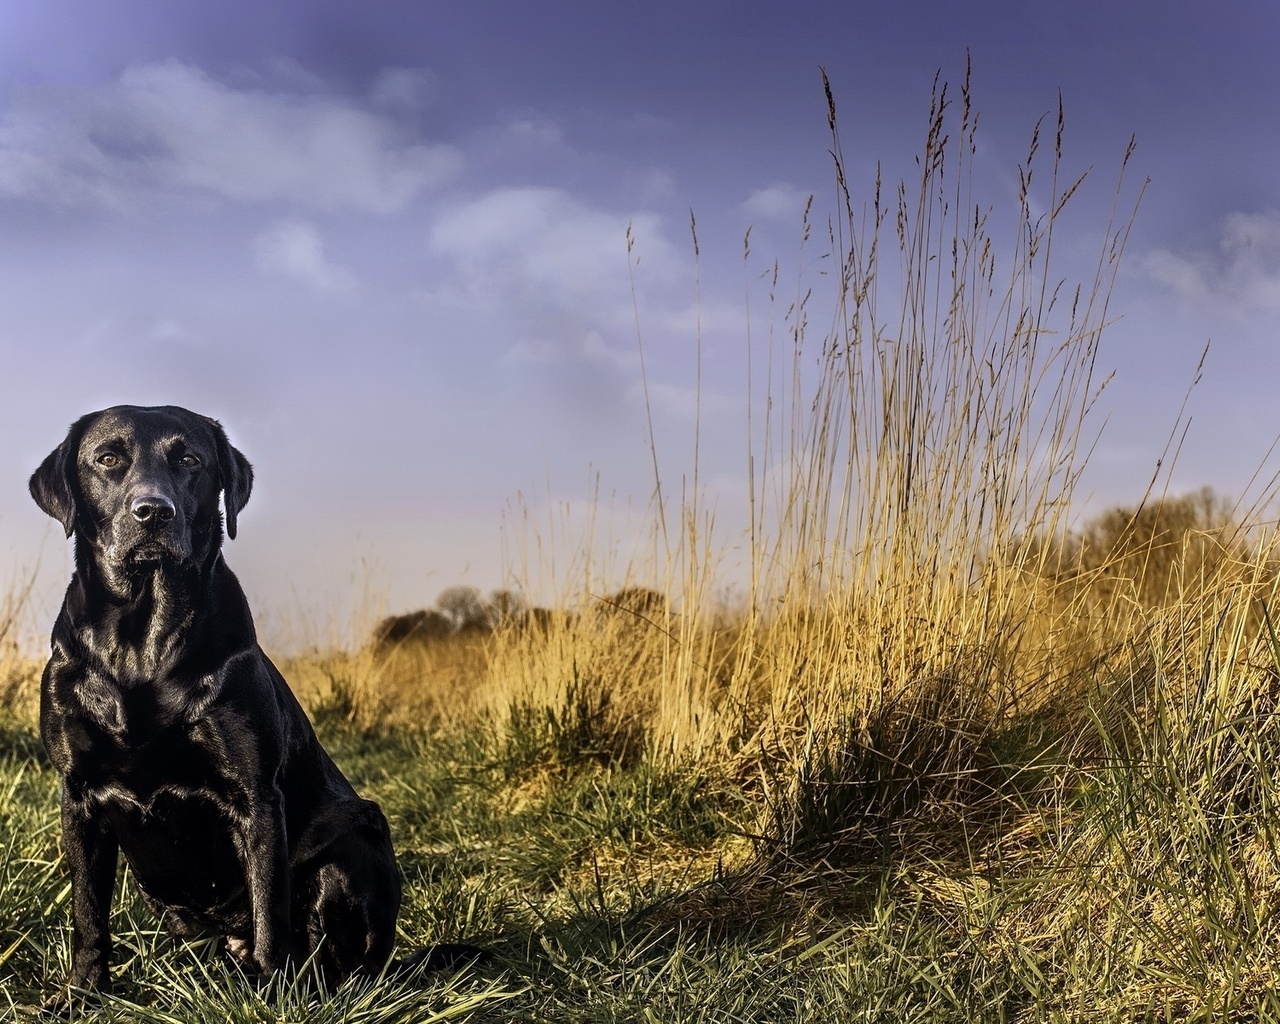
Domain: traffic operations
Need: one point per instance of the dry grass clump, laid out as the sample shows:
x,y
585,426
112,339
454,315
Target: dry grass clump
x,y
597,683
19,682
1150,882
900,611
19,672
413,685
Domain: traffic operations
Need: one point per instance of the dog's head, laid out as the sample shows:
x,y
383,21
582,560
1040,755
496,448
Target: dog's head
x,y
140,485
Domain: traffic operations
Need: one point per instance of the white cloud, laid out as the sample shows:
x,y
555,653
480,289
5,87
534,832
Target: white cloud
x,y
686,403
779,202
295,250
404,88
654,184
1183,275
1243,273
553,272
534,131
528,352
549,273
169,125
1243,232
541,247
590,348
283,72
711,317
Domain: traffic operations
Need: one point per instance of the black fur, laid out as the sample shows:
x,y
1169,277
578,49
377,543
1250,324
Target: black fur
x,y
179,743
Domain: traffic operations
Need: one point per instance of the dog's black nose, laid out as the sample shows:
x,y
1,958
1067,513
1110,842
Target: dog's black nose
x,y
151,509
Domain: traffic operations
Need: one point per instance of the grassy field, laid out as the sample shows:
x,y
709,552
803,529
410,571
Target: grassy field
x,y
1111,858
951,759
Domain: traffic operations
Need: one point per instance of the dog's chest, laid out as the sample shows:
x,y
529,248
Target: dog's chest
x,y
135,712
134,742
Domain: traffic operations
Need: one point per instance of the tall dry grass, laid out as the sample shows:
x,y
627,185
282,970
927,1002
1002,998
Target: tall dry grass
x,y
931,665
19,672
908,464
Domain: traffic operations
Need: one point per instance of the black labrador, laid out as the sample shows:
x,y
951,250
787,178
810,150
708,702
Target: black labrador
x,y
179,743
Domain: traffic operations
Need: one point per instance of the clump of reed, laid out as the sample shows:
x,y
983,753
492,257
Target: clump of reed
x,y
912,458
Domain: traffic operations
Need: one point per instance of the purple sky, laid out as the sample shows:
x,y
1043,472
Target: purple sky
x,y
385,242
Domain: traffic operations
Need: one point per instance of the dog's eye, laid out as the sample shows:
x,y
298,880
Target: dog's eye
x,y
108,460
189,460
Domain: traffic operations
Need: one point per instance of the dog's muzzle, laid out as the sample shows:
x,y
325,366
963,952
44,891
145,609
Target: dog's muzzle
x,y
149,532
152,510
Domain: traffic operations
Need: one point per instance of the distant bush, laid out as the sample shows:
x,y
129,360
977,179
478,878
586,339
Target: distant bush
x,y
641,602
425,624
457,609
1153,554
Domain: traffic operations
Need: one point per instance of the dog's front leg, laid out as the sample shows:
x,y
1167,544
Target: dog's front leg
x,y
266,853
91,850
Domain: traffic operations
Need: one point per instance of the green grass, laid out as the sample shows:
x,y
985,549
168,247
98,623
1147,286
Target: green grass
x,y
1129,880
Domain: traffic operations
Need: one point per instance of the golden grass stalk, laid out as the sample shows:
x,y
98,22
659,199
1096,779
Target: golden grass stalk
x,y
902,481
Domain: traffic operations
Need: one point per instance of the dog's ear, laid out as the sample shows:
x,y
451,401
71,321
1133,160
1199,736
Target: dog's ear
x,y
235,477
54,485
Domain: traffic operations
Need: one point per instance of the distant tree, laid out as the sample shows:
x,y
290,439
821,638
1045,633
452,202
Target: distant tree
x,y
464,608
1154,549
505,606
640,602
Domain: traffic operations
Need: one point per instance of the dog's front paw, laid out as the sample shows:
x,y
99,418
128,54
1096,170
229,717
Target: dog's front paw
x,y
281,959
